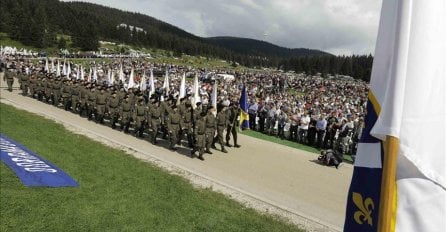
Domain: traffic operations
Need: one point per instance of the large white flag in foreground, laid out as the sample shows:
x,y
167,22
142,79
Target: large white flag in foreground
x,y
399,180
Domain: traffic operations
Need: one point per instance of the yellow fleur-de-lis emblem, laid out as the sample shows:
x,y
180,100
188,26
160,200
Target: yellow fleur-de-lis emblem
x,y
365,209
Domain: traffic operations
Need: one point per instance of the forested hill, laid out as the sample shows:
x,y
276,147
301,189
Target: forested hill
x,y
37,22
262,48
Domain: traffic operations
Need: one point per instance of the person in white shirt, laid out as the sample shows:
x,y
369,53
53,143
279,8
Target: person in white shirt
x,y
303,128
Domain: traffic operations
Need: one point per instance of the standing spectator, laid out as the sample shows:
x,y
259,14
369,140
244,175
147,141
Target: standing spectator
x,y
252,111
282,120
294,124
303,128
321,126
332,127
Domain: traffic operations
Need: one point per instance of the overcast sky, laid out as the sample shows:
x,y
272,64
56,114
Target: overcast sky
x,y
336,26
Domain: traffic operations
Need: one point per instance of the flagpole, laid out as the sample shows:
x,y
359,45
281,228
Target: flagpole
x,y
387,206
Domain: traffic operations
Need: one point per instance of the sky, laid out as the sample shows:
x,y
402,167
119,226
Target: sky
x,y
341,27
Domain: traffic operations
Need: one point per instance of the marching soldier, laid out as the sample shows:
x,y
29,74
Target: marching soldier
x,y
211,124
222,122
233,112
126,111
9,78
155,114
66,95
186,123
57,86
75,93
101,100
91,102
113,105
24,80
83,95
200,136
173,125
32,85
140,116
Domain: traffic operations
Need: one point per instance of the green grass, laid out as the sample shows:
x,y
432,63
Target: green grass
x,y
286,142
117,192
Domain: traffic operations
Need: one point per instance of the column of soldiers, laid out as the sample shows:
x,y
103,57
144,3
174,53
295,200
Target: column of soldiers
x,y
175,120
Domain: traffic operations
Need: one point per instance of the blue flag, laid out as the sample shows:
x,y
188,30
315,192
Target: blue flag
x,y
31,169
244,116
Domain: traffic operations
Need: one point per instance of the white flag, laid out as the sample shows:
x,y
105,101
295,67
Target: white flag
x,y
407,95
58,69
78,74
52,66
46,66
183,87
143,82
166,84
121,74
68,69
64,68
196,91
214,95
82,73
131,80
152,83
95,74
112,78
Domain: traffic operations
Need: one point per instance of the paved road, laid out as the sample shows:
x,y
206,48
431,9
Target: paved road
x,y
286,178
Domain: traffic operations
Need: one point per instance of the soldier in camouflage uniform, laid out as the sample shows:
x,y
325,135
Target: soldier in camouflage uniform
x,y
173,125
140,117
57,86
101,101
9,78
187,122
155,114
233,113
91,102
126,114
66,95
211,124
24,80
200,136
113,107
75,93
222,122
32,85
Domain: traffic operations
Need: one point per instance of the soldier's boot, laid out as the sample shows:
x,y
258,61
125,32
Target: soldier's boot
x,y
200,156
180,136
164,132
223,149
208,151
190,141
172,146
237,146
89,114
227,144
154,137
192,153
213,146
113,123
141,131
126,128
121,126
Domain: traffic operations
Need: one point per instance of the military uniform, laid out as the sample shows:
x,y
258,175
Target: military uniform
x,y
222,122
9,78
66,95
173,125
155,114
126,111
75,96
32,85
140,116
211,124
24,80
113,105
83,94
57,86
91,103
186,124
233,113
101,100
200,137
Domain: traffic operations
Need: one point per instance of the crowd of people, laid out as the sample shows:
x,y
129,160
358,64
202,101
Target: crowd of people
x,y
320,112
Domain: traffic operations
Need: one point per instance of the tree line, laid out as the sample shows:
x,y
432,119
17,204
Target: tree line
x,y
37,23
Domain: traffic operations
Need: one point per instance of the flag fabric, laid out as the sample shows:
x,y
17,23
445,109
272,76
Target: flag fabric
x,y
64,68
406,110
121,74
46,65
131,83
143,82
214,95
152,83
166,82
183,87
196,91
112,78
82,73
58,69
95,74
52,66
244,116
68,69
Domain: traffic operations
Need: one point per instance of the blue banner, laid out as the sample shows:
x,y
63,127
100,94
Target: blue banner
x,y
31,169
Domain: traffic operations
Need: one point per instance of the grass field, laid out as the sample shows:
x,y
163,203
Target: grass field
x,y
117,192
